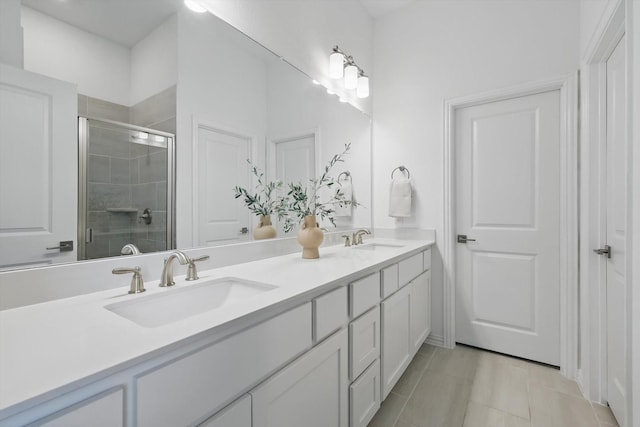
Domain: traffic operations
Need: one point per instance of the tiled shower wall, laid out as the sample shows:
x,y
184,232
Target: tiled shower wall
x,y
124,178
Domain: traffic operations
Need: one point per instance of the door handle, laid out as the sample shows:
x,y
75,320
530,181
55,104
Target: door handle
x,y
462,238
64,246
605,251
244,230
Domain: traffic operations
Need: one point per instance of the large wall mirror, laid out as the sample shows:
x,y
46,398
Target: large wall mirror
x,y
190,98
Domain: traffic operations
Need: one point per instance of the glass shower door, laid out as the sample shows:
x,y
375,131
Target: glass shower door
x,y
126,189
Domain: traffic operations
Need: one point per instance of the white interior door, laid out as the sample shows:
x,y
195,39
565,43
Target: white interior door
x,y
38,169
616,188
295,160
507,199
222,164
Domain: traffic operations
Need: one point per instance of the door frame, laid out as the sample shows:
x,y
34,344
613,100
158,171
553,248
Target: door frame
x,y
568,87
593,379
201,123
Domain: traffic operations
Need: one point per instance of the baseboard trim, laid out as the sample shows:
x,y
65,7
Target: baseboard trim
x,y
436,340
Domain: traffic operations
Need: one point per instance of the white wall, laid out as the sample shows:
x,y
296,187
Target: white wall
x,y
428,52
208,89
154,62
304,32
591,12
11,33
99,67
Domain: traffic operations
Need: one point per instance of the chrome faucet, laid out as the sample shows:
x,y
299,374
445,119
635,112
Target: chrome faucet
x,y
166,278
137,284
129,249
357,236
192,273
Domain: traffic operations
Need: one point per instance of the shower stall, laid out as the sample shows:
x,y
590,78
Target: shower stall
x,y
126,188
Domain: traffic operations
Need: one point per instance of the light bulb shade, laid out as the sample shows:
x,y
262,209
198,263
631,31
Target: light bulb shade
x,y
362,91
336,65
351,77
195,6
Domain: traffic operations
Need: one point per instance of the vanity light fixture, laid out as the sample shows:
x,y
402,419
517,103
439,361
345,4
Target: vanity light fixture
x,y
195,6
342,65
362,91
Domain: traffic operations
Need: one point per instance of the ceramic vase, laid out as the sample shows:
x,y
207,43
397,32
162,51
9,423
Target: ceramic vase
x,y
264,230
310,237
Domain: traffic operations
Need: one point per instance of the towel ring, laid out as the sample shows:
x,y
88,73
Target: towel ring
x,y
403,170
347,174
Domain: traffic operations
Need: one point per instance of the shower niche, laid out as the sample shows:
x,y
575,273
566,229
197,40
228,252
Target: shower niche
x,y
126,184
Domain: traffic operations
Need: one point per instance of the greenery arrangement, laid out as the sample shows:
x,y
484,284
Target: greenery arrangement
x,y
303,200
265,200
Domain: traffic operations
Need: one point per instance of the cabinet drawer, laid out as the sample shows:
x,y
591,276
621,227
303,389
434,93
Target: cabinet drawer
x,y
389,281
201,383
426,259
312,391
364,342
238,414
364,294
409,269
329,313
364,396
104,410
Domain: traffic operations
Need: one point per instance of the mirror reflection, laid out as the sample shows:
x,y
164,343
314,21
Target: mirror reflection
x,y
224,97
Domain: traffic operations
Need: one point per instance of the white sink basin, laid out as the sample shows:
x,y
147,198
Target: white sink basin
x,y
180,303
376,246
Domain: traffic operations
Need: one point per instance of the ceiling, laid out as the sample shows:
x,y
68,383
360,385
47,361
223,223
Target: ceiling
x,y
124,21
128,21
377,8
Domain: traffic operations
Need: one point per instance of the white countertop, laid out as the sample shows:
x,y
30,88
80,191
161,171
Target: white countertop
x,y
47,349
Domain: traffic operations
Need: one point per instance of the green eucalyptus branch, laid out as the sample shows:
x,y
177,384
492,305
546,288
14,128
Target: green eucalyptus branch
x,y
264,200
301,201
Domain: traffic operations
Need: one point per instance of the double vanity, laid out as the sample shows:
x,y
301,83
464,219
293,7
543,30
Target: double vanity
x,y
277,342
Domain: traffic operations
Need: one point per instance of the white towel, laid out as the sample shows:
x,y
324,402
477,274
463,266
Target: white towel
x,y
346,190
400,198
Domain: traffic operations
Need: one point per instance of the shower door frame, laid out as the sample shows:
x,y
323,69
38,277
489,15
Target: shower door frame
x,y
83,140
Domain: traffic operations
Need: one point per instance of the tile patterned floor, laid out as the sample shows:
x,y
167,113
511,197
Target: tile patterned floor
x,y
468,387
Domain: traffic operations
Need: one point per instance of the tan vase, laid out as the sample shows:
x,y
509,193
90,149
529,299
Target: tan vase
x,y
264,230
310,236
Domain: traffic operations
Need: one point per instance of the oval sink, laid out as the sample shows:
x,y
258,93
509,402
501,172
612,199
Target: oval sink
x,y
180,303
376,246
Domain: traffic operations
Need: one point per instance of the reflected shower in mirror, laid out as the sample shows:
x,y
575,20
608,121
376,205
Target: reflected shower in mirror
x,y
200,79
125,188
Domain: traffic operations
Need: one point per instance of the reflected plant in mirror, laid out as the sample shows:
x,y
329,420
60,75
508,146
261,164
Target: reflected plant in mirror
x,y
306,200
263,202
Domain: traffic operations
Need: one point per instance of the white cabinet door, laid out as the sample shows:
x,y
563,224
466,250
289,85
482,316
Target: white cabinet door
x,y
38,169
364,342
106,410
238,414
365,396
420,310
206,380
396,339
311,392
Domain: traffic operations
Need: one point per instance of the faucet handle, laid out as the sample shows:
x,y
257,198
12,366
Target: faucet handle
x,y
192,272
347,242
137,284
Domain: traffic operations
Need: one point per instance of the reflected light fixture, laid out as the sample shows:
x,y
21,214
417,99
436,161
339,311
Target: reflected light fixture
x,y
195,6
342,65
